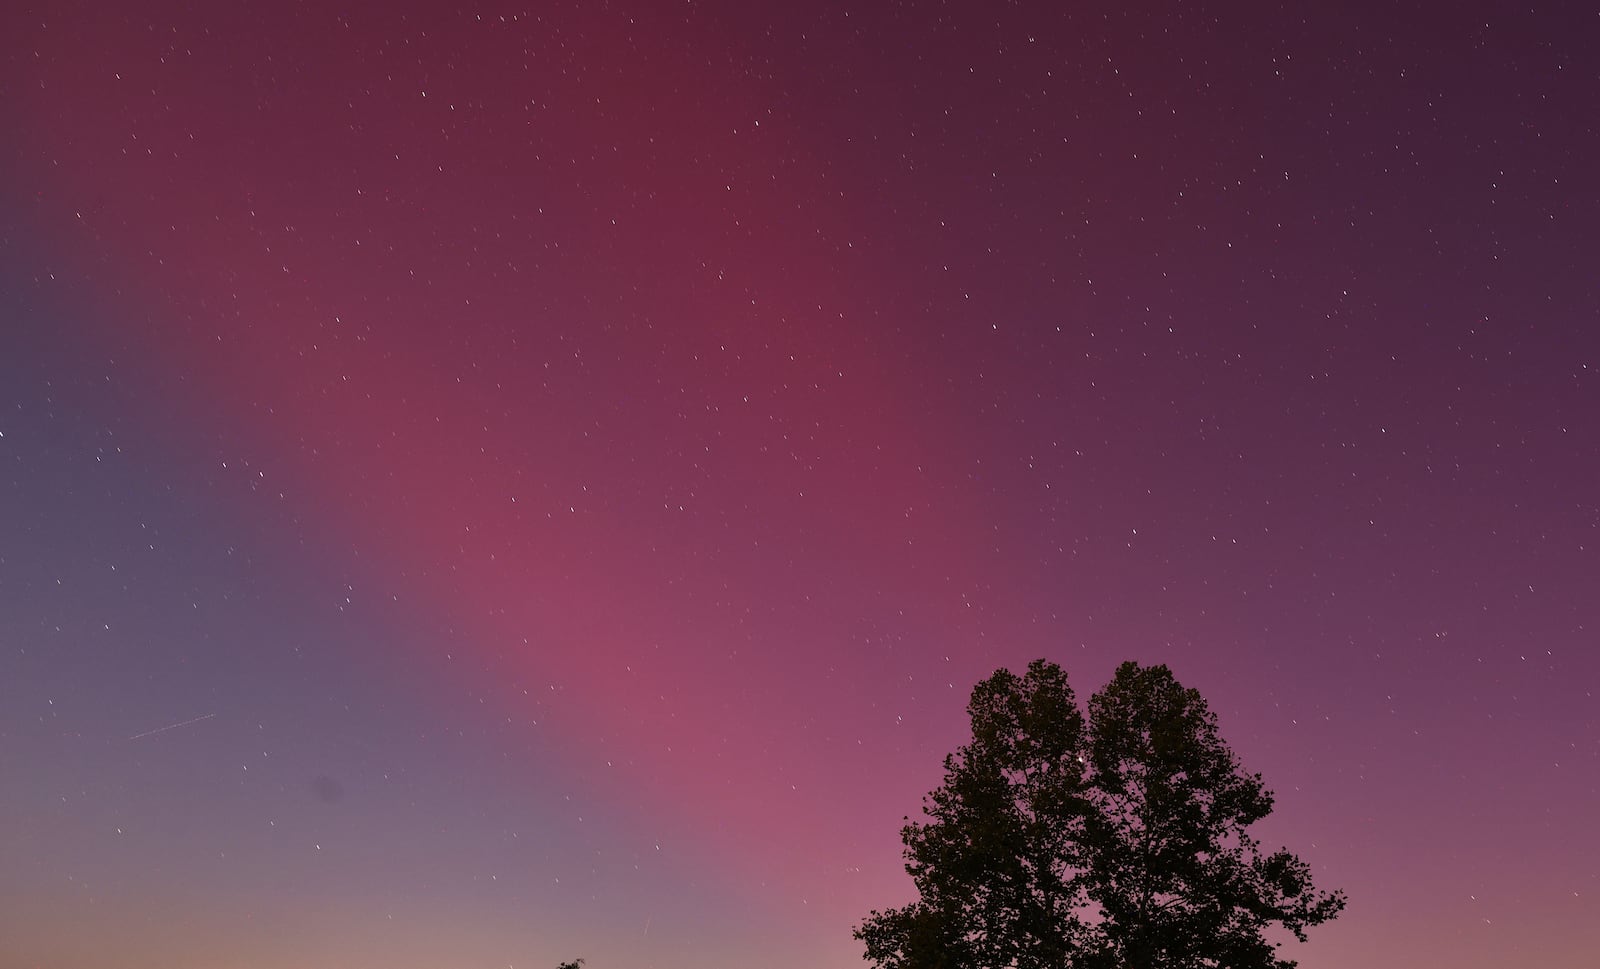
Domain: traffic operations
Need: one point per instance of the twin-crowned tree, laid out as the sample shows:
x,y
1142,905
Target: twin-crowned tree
x,y
1119,843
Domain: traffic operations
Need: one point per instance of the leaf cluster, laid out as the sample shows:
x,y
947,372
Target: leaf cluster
x,y
1120,841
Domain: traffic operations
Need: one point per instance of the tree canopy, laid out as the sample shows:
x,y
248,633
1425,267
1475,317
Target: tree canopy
x,y
1114,843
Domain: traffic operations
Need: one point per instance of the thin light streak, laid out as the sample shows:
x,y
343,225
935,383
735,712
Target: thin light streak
x,y
172,726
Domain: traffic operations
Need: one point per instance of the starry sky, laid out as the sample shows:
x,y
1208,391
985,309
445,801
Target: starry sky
x,y
485,485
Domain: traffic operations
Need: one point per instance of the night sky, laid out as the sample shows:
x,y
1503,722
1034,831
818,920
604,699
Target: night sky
x,y
482,486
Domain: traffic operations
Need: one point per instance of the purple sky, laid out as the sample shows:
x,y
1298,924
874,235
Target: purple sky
x,y
485,486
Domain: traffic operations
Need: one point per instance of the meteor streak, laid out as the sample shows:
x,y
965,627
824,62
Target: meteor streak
x,y
172,726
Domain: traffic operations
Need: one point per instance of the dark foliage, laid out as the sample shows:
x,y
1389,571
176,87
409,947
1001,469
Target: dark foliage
x,y
1119,843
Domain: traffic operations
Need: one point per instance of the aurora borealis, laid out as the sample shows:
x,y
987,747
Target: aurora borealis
x,y
482,486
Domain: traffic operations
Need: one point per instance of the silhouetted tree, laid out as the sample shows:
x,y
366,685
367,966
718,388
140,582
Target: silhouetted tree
x,y
574,964
1116,844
